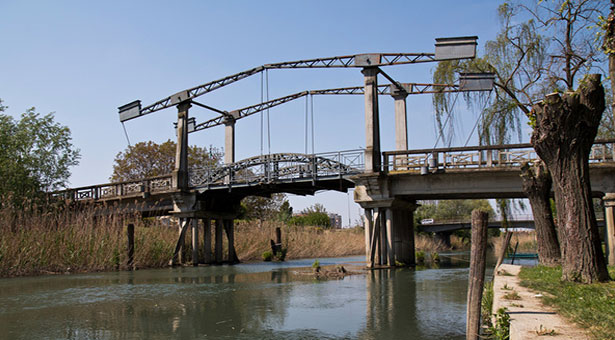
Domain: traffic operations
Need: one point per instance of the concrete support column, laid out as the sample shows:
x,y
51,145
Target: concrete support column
x,y
229,140
218,240
372,122
368,225
609,219
390,237
207,240
401,121
180,173
403,239
194,223
384,250
229,227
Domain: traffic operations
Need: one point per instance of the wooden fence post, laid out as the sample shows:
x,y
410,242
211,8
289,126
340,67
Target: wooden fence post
x,y
130,232
477,273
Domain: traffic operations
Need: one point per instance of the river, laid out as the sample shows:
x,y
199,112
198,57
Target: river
x,y
245,301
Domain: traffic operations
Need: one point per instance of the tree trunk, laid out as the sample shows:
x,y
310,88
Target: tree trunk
x,y
565,130
537,188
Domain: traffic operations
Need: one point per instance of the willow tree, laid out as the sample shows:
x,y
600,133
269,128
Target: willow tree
x,y
542,46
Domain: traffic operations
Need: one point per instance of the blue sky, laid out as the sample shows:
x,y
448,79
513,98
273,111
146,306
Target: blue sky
x,y
82,60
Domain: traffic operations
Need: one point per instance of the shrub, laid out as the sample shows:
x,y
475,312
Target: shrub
x,y
267,256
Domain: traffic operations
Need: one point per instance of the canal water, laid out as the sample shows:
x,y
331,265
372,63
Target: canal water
x,y
246,301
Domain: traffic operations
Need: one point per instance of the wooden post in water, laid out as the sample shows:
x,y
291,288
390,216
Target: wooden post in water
x,y
194,223
278,236
207,240
229,227
218,240
477,273
130,232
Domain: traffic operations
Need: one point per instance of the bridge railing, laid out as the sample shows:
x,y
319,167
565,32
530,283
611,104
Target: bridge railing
x,y
119,189
474,157
280,167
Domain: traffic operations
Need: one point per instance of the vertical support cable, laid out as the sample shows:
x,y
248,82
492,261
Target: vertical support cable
x,y
262,99
306,123
312,104
268,122
126,132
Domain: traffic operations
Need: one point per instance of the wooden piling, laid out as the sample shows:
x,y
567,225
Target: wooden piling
x,y
278,236
218,240
195,241
207,240
477,273
130,233
180,241
229,227
375,237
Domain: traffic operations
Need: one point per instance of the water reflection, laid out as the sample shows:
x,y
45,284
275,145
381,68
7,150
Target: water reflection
x,y
255,301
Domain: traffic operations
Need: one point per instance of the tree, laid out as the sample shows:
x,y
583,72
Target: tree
x,y
36,155
537,188
531,58
451,211
149,159
286,212
262,208
315,215
566,126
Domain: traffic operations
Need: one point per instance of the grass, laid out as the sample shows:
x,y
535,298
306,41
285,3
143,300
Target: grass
x,y
527,242
69,241
589,305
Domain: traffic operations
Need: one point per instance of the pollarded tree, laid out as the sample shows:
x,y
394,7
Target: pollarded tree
x,y
530,59
150,159
565,128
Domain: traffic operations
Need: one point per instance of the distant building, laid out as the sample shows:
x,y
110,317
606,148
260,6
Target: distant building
x,y
336,220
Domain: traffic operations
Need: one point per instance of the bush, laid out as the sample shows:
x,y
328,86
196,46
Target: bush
x,y
420,256
267,256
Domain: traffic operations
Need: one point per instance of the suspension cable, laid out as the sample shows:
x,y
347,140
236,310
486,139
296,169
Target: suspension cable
x,y
306,124
446,121
268,121
480,117
126,133
312,106
262,101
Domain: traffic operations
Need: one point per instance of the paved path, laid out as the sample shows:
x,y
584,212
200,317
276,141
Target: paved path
x,y
528,315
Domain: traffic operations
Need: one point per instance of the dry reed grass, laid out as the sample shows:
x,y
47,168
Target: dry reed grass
x,y
526,240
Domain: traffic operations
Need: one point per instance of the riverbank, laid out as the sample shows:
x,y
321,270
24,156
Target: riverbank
x,y
83,241
592,306
528,317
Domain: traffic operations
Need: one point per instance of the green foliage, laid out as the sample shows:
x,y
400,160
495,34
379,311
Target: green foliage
x,y
36,155
435,257
316,265
451,210
267,256
590,305
286,212
486,304
501,329
419,256
281,255
150,159
315,215
263,208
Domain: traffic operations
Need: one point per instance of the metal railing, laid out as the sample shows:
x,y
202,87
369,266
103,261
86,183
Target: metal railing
x,y
280,167
476,157
120,189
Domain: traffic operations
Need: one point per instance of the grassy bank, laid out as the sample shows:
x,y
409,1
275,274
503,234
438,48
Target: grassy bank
x,y
591,306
